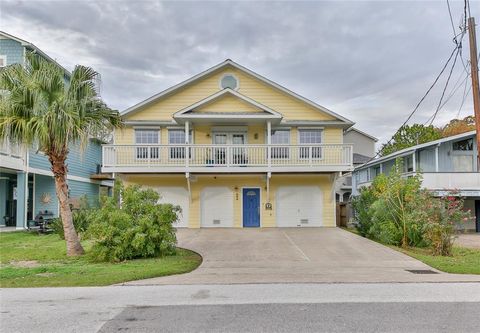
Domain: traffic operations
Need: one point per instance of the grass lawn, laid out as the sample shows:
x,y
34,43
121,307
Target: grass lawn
x,y
31,260
463,261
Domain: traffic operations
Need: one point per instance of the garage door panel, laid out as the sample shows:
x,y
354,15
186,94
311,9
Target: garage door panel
x,y
217,207
177,196
299,206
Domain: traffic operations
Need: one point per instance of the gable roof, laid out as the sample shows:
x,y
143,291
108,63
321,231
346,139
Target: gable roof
x,y
34,48
187,112
233,64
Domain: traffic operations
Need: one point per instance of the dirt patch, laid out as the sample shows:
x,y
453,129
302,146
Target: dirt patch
x,y
25,263
46,274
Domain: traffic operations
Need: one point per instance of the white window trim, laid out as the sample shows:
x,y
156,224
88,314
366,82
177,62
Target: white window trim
x,y
286,129
228,74
147,144
322,140
4,58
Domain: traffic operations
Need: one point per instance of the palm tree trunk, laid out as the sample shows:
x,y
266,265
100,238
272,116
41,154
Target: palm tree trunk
x,y
59,169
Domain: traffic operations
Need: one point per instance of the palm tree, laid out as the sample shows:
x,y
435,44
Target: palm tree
x,y
40,104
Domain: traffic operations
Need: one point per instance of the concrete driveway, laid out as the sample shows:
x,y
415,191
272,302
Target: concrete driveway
x,y
295,255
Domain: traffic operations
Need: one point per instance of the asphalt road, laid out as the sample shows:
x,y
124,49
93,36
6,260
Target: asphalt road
x,y
385,307
320,317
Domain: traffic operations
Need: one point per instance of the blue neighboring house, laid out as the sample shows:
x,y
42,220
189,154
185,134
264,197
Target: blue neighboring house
x,y
446,165
27,188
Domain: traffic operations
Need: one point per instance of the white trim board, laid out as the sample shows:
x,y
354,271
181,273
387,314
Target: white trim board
x,y
221,93
71,177
233,64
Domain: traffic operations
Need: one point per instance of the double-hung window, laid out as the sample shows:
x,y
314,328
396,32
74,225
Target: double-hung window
x,y
177,137
280,137
148,138
310,137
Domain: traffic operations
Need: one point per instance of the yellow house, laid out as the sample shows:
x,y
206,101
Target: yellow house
x,y
234,149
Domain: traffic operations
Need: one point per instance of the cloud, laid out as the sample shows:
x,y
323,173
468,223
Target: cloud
x,y
369,61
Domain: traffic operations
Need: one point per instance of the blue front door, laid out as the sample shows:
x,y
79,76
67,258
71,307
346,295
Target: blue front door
x,y
251,207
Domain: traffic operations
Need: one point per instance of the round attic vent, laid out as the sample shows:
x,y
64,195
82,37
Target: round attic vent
x,y
229,81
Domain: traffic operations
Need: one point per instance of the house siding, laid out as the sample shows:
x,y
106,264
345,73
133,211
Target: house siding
x,y
235,184
13,50
290,107
45,185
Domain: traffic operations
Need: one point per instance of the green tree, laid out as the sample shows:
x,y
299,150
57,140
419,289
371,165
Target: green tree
x,y
410,135
40,105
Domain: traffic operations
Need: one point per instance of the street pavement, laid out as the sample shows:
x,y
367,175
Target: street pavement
x,y
366,307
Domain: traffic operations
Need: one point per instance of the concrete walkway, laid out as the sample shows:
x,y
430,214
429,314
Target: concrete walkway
x,y
291,255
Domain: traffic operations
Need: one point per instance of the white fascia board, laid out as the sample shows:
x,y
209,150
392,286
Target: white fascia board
x,y
216,169
229,62
289,92
24,43
171,89
220,94
149,123
71,177
410,150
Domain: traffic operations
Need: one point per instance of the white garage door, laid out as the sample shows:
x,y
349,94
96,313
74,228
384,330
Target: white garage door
x,y
299,206
217,207
176,196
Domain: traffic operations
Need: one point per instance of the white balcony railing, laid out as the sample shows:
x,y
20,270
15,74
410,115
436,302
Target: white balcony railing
x,y
167,158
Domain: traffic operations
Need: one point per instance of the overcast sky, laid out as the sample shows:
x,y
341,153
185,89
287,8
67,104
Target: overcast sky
x,y
369,61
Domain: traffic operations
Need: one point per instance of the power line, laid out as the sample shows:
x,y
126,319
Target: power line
x,y
465,94
445,87
451,21
421,100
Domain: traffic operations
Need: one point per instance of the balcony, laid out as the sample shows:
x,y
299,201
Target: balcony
x,y
226,158
12,156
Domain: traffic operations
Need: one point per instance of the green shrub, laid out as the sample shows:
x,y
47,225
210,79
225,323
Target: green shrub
x,y
395,210
441,215
139,227
81,219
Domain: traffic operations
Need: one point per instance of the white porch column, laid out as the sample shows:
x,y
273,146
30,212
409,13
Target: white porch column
x,y
436,158
414,161
187,132
269,142
187,141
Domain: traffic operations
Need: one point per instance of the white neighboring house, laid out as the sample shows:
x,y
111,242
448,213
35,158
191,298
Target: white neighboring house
x,y
448,164
363,151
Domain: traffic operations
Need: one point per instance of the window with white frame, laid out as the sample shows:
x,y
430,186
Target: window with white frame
x,y
147,137
280,137
310,137
177,137
3,61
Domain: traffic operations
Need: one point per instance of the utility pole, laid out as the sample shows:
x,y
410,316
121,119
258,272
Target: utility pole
x,y
475,89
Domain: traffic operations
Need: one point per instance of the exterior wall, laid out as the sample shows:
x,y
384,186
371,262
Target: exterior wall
x,y
13,50
361,143
202,134
235,183
44,185
79,189
82,162
289,107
